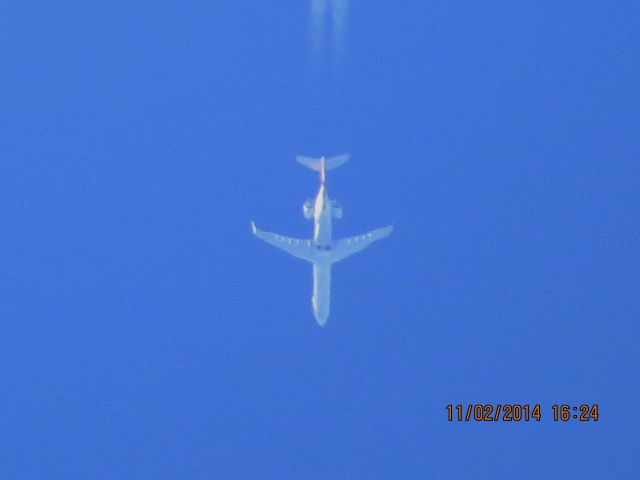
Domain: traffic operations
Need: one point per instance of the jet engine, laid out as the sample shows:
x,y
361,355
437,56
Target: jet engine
x,y
307,209
336,210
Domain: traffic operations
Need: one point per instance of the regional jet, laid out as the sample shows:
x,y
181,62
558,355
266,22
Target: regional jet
x,y
322,250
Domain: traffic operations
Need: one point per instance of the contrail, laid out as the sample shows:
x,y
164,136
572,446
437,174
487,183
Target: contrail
x,y
318,11
339,11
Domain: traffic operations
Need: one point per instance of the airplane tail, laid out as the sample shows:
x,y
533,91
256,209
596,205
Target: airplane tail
x,y
323,164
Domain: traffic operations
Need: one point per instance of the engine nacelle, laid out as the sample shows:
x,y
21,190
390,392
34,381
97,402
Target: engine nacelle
x,y
307,209
336,210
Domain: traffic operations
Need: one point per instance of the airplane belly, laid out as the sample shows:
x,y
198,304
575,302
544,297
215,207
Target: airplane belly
x,y
323,230
321,300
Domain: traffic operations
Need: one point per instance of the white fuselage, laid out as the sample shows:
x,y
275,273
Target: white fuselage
x,y
322,238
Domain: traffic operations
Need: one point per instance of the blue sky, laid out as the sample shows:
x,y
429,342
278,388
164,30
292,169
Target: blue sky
x,y
146,334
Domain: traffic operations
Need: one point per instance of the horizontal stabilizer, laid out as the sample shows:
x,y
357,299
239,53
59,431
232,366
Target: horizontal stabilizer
x,y
317,163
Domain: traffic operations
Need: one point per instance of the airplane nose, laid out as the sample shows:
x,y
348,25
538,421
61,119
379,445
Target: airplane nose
x,y
321,313
322,318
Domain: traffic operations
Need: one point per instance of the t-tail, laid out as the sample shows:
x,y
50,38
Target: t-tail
x,y
323,164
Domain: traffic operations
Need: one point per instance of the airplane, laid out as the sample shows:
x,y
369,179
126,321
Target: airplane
x,y
322,250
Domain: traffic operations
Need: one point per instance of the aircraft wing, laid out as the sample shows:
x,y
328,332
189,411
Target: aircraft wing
x,y
348,246
299,248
